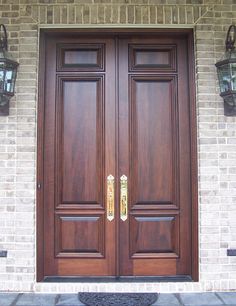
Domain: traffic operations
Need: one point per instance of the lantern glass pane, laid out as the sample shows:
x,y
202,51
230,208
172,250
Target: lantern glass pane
x,y
8,81
13,80
2,79
224,78
233,76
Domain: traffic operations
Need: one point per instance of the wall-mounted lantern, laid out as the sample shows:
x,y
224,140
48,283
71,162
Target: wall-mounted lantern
x,y
8,69
226,69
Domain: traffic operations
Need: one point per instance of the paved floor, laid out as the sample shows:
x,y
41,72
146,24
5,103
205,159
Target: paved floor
x,y
183,299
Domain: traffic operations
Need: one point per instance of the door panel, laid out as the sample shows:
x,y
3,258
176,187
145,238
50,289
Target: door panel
x,y
81,153
153,147
87,56
79,236
156,57
116,107
154,236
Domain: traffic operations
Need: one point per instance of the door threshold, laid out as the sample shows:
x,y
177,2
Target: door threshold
x,y
121,279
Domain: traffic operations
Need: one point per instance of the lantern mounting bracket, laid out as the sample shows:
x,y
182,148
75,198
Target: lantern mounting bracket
x,y
3,38
230,38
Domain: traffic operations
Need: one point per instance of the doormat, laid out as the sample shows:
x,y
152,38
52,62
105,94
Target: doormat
x,y
117,299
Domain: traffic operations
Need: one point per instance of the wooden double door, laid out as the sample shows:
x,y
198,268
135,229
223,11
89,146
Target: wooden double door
x,y
115,179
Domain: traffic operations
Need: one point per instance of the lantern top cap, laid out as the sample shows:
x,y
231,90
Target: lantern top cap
x,y
3,38
230,53
230,38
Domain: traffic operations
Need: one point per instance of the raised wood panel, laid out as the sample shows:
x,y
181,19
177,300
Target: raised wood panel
x,y
80,57
153,136
79,235
152,57
156,235
84,57
80,138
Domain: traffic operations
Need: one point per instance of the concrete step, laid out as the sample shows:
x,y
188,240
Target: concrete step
x,y
164,299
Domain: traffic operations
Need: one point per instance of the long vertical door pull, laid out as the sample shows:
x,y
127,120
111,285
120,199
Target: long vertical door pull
x,y
123,197
110,197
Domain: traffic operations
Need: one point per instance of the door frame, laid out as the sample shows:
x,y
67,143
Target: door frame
x,y
193,140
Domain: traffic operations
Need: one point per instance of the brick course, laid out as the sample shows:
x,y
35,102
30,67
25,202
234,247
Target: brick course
x,y
216,134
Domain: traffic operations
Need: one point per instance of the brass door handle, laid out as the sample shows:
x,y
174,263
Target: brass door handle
x,y
123,197
110,197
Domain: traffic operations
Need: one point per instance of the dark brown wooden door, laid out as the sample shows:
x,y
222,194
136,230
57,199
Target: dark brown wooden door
x,y
79,150
115,105
154,154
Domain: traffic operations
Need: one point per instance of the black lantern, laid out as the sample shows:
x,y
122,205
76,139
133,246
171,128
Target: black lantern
x,y
226,69
8,69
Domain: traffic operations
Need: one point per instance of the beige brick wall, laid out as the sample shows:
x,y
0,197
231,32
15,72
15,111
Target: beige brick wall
x,y
216,134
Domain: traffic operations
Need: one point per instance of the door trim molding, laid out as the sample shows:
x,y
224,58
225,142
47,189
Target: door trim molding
x,y
117,26
40,161
194,158
116,30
